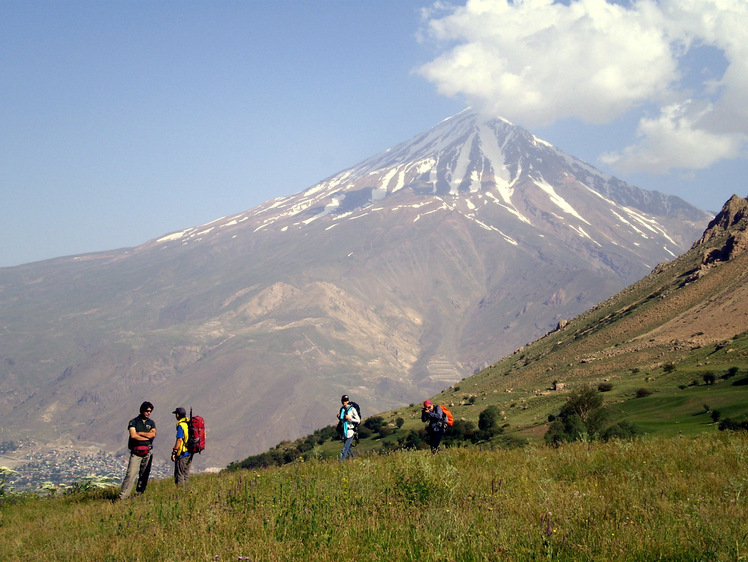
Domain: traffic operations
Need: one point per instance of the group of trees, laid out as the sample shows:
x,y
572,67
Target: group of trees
x,y
375,427
286,452
584,417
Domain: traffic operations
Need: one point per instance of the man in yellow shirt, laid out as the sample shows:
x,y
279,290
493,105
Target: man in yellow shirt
x,y
180,456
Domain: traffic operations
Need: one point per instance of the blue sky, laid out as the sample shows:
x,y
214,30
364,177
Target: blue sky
x,y
122,121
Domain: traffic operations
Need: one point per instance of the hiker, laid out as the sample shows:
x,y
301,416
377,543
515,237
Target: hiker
x,y
349,419
180,456
436,419
142,432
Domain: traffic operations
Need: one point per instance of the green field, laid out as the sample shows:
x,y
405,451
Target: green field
x,y
658,498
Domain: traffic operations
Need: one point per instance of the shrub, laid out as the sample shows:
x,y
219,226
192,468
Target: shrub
x,y
385,430
374,423
462,432
732,425
581,417
582,402
605,387
622,430
643,393
413,440
488,419
709,378
364,432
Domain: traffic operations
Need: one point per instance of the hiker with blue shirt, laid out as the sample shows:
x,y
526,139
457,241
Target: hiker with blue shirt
x,y
348,418
180,456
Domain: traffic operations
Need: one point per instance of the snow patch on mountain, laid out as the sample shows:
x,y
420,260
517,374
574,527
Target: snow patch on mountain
x,y
557,200
491,172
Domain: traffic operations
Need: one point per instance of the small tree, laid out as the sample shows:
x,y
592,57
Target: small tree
x,y
622,430
488,418
582,403
581,417
374,423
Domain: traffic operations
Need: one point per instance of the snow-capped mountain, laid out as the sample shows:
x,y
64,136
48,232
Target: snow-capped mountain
x,y
388,281
496,175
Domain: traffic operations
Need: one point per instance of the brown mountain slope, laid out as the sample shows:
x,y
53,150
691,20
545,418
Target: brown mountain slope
x,y
687,317
693,309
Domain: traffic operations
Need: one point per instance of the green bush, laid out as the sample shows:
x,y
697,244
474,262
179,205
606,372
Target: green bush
x,y
728,424
374,423
581,418
488,419
622,430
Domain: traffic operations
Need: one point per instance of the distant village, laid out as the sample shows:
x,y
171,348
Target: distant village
x,y
41,469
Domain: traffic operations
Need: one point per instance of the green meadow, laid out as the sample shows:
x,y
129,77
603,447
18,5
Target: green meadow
x,y
657,498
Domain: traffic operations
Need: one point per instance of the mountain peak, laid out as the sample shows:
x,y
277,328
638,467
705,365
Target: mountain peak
x,y
733,211
491,171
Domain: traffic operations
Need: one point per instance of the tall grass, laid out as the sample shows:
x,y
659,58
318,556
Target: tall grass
x,y
659,498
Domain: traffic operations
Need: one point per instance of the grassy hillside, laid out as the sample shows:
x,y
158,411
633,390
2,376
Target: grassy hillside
x,y
674,498
671,350
669,353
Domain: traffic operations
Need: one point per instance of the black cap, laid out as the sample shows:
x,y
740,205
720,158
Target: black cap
x,y
181,412
344,398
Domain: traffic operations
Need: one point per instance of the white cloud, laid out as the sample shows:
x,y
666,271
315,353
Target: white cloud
x,y
673,141
538,61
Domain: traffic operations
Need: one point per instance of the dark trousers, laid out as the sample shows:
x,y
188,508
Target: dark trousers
x,y
435,439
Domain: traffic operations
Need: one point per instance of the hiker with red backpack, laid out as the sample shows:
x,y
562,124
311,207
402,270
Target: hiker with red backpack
x,y
438,421
180,454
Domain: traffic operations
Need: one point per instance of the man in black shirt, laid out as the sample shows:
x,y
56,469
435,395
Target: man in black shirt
x,y
142,432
